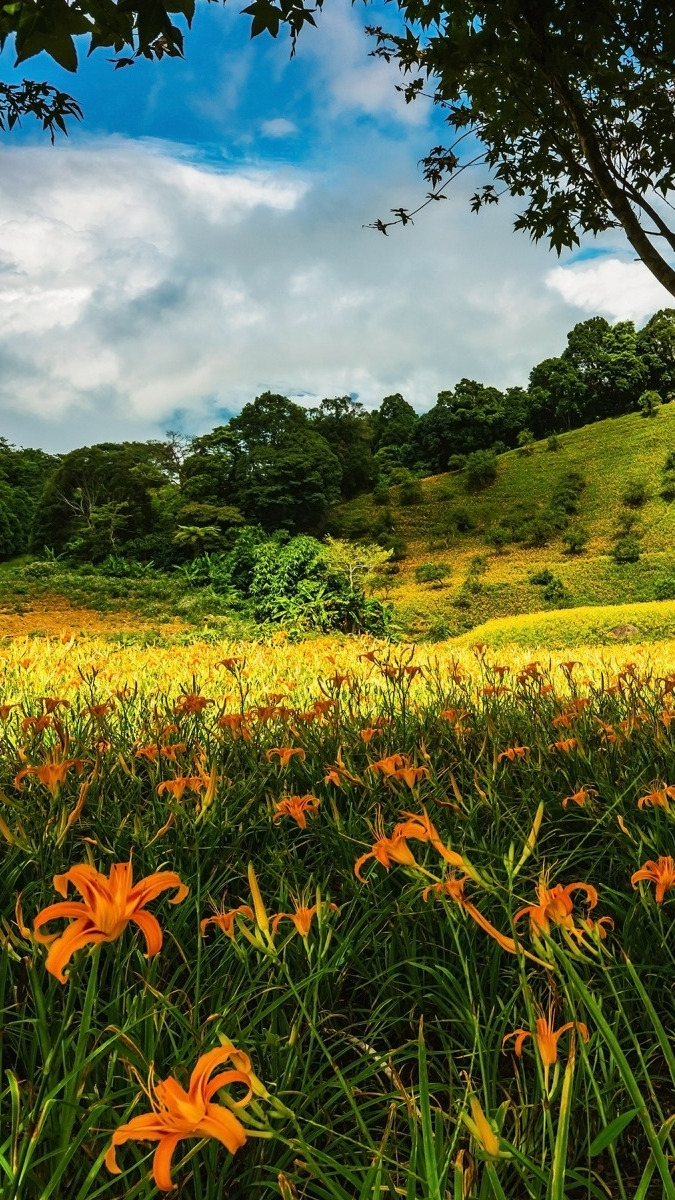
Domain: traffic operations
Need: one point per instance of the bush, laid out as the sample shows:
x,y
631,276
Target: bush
x,y
383,525
626,550
553,443
525,442
536,533
543,576
399,549
456,462
668,485
575,540
461,520
410,492
636,493
556,593
627,523
663,588
432,572
566,494
498,536
380,492
478,565
650,403
481,469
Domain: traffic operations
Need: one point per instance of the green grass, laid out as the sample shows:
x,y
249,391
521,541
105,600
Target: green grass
x,y
584,626
607,454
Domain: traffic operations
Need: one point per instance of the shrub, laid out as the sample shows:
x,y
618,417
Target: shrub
x,y
383,525
481,469
626,550
543,576
650,403
663,588
432,572
525,442
477,565
553,443
498,537
536,532
410,492
636,493
556,593
461,520
627,524
456,462
380,492
668,485
566,494
575,540
398,547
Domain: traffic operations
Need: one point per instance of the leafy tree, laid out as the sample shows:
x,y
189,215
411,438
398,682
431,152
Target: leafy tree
x,y
481,469
98,495
394,424
656,348
650,402
348,430
525,442
356,564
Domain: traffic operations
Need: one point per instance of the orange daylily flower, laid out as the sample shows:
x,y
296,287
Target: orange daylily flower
x,y
369,733
513,752
108,905
454,888
52,703
419,826
555,905
387,766
659,798
662,873
546,1038
566,745
301,918
580,797
51,774
5,710
386,850
296,807
178,1114
227,920
285,754
183,783
191,704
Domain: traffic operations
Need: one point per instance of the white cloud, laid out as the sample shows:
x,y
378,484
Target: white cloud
x,y
622,291
136,284
278,127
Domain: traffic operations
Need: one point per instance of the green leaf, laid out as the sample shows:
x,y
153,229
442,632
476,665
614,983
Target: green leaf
x,y
612,1132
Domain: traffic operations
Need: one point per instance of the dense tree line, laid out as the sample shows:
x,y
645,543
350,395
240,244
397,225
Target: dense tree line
x,y
280,466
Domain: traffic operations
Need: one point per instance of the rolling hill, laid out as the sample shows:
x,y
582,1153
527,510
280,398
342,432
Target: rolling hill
x,y
483,583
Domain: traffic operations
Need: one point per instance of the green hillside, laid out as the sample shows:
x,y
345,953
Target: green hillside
x,y
484,583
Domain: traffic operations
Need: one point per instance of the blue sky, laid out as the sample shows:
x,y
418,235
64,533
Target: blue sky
x,y
199,238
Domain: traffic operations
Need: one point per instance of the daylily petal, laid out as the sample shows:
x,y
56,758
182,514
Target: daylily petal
x,y
66,908
222,1124
161,1163
152,930
76,936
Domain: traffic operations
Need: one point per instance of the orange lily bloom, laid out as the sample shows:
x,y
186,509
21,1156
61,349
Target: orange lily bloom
x,y
581,797
51,774
5,710
386,850
389,765
191,704
513,752
109,904
454,888
555,905
546,1038
369,733
662,873
301,918
296,807
285,754
227,920
565,745
178,1114
52,703
659,798
420,826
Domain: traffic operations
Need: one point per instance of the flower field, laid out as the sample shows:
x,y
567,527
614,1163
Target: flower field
x,y
336,921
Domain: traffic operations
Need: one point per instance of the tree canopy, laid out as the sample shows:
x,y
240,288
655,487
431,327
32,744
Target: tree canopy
x,y
565,103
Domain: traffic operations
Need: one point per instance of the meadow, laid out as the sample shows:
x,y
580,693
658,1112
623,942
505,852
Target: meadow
x,y
336,920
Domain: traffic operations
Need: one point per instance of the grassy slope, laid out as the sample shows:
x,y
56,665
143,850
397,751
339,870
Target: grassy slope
x,y
608,454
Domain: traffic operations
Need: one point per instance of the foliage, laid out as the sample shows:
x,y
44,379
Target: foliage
x,y
525,442
636,493
410,492
431,572
575,539
481,469
626,549
649,403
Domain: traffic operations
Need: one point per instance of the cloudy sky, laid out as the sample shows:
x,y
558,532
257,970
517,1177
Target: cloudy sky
x,y
199,239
